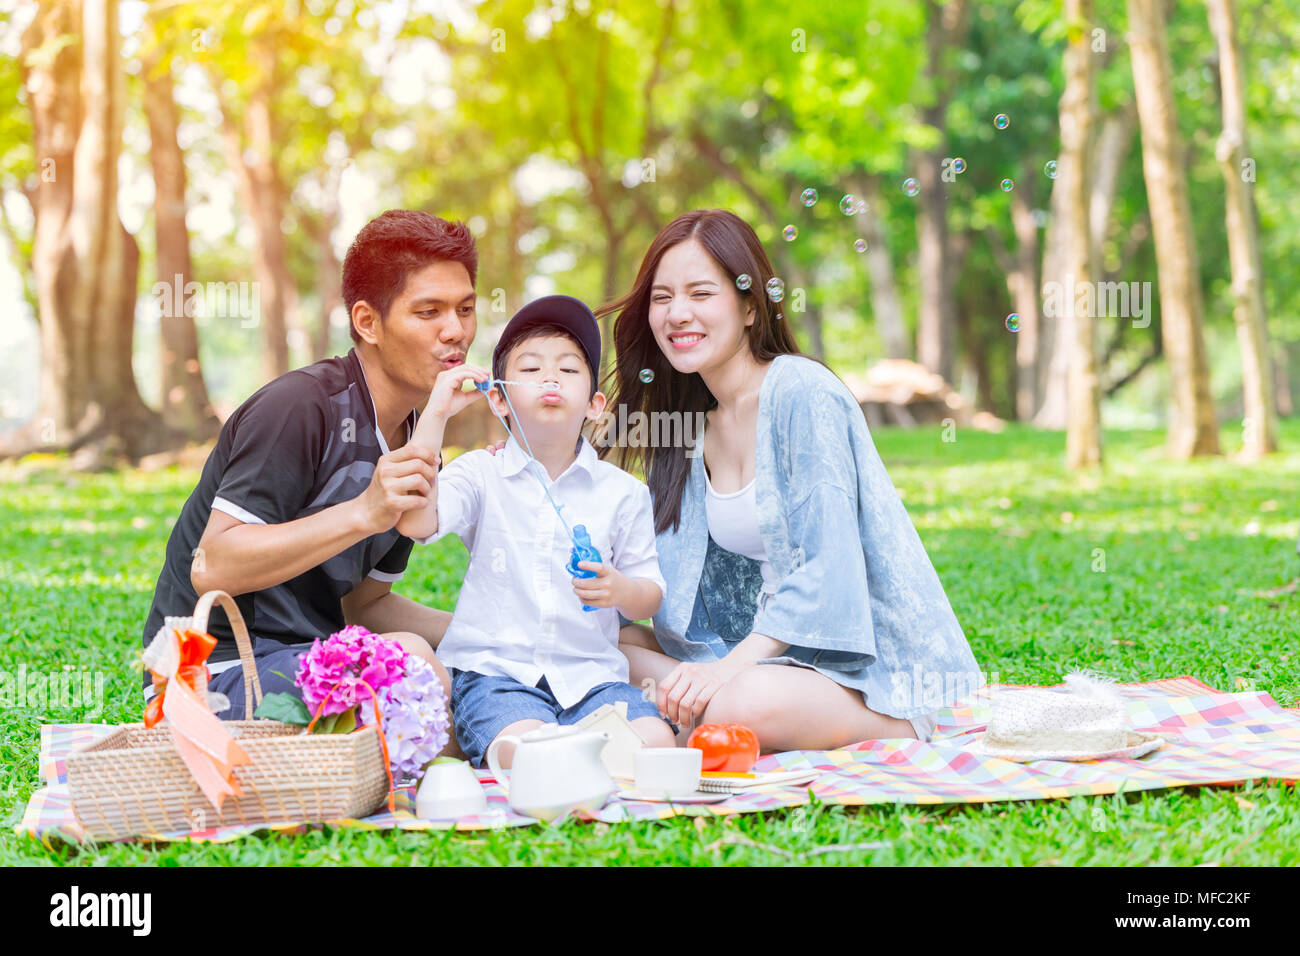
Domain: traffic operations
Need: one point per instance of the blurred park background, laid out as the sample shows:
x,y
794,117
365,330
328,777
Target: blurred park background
x,y
1074,213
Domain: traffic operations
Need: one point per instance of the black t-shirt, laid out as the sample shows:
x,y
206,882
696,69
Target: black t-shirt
x,y
302,443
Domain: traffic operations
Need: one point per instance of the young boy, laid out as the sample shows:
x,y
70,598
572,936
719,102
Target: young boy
x,y
520,649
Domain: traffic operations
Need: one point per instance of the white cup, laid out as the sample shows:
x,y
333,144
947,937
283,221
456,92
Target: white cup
x,y
449,790
668,771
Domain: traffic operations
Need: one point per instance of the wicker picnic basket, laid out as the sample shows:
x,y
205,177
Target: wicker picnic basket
x,y
134,783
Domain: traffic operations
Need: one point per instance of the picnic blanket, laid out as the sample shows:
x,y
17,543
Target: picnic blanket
x,y
1214,738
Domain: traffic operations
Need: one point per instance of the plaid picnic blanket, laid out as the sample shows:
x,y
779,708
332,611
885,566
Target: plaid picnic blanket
x,y
1213,738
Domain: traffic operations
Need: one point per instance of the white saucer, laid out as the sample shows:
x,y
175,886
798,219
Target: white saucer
x,y
699,796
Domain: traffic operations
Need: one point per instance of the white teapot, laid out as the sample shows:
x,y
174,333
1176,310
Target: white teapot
x,y
555,770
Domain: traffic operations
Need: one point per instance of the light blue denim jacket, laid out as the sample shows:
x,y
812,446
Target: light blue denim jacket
x,y
858,598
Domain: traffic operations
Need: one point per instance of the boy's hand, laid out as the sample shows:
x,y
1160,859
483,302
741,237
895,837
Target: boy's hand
x,y
447,397
402,480
607,589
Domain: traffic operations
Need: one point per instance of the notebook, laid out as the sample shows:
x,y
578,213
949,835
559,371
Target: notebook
x,y
714,782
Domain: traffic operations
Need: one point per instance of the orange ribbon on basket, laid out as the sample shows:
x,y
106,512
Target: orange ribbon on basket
x,y
194,650
204,742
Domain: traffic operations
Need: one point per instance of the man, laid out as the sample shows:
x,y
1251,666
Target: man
x,y
296,511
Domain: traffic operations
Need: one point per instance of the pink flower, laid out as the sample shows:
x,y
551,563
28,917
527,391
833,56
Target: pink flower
x,y
334,669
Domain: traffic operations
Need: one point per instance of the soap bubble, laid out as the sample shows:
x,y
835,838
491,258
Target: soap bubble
x,y
808,197
789,232
860,208
1002,121
1013,322
550,388
743,281
849,204
860,245
775,289
1050,169
779,316
647,375
1007,185
911,187
959,165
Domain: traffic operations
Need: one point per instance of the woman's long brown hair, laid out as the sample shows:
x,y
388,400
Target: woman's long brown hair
x,y
732,244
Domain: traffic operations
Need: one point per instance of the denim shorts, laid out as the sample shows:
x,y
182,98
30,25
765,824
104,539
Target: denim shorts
x,y
277,666
482,706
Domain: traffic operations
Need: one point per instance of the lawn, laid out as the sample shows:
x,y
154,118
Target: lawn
x,y
1147,569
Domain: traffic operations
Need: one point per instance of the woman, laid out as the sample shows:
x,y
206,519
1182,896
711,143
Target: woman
x,y
784,542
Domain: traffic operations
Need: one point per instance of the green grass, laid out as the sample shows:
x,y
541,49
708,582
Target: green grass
x,y
1019,543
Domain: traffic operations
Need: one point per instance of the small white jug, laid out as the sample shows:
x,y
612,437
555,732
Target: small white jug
x,y
555,770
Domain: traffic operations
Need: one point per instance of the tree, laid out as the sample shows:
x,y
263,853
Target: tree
x,y
185,404
1192,430
945,26
1260,436
1083,430
85,263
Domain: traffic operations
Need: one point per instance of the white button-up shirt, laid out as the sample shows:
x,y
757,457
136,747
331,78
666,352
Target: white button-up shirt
x,y
517,615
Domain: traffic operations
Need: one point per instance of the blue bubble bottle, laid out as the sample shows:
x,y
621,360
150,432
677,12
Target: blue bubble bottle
x,y
582,551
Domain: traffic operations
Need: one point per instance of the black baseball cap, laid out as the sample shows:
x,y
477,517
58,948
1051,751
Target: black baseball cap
x,y
563,310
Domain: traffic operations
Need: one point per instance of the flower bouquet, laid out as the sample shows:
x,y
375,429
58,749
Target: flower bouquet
x,y
355,678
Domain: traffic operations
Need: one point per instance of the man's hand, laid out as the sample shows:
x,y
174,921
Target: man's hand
x,y
609,588
403,479
448,396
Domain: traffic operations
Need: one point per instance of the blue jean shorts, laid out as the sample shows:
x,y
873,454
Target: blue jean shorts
x,y
277,666
482,706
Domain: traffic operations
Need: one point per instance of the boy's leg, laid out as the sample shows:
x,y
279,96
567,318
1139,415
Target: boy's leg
x,y
642,714
506,755
655,731
487,707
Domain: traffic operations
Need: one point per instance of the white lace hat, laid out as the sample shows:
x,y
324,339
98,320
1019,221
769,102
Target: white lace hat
x,y
1087,721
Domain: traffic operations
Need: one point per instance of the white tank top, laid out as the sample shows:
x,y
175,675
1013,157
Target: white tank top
x,y
733,524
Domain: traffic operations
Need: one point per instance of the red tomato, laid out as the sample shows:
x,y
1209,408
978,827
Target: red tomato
x,y
732,748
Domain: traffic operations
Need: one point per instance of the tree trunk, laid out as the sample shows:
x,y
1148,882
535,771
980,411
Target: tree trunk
x,y
262,193
934,332
329,279
1023,284
329,285
1282,379
1056,326
886,304
85,263
1083,427
1113,143
1192,430
1260,431
609,284
185,404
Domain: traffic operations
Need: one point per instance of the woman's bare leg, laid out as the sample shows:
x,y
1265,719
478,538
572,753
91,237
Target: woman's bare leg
x,y
790,708
796,708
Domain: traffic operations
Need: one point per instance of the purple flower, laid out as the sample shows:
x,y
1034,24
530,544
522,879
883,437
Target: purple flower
x,y
415,718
